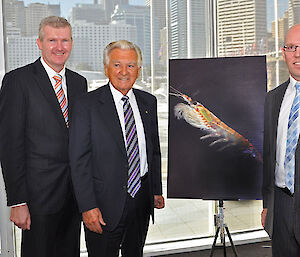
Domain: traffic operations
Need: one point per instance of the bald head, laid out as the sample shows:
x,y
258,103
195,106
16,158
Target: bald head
x,y
291,51
293,30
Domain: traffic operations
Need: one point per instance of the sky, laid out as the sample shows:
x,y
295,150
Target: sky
x,y
66,5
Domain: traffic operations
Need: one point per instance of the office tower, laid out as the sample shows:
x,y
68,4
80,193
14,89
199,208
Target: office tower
x,y
197,31
21,51
188,28
294,12
283,26
92,13
159,11
14,15
109,6
241,26
178,29
138,16
90,39
35,12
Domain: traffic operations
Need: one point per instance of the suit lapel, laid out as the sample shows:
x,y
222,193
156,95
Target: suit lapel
x,y
145,113
71,89
278,98
44,83
108,111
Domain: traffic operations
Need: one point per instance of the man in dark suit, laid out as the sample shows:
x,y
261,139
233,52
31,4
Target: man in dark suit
x,y
115,157
34,104
281,178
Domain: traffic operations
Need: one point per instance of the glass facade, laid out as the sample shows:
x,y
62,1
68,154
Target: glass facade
x,y
164,29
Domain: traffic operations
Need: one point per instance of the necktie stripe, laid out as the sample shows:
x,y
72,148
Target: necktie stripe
x,y
134,176
62,100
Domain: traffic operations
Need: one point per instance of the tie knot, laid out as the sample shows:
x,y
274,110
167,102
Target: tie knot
x,y
57,77
297,85
125,98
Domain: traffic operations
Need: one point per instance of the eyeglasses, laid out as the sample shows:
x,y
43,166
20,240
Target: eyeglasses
x,y
290,48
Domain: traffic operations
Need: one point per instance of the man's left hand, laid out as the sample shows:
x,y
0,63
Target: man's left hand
x,y
159,201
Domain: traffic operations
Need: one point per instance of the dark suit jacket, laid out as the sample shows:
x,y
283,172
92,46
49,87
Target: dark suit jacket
x,y
98,155
272,108
34,138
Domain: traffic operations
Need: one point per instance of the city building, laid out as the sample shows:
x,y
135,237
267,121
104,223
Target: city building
x,y
21,51
294,12
283,26
109,6
197,28
178,29
188,32
15,14
90,39
93,13
242,27
35,12
138,16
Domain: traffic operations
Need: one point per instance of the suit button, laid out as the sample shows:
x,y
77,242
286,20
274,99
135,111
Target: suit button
x,y
124,187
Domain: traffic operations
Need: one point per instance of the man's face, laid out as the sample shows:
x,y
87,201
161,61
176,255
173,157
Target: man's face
x,y
292,59
56,46
122,69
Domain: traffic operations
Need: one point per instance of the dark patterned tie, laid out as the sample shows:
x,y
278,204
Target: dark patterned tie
x,y
134,175
61,97
292,140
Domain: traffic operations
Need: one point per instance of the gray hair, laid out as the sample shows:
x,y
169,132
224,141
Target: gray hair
x,y
122,44
54,22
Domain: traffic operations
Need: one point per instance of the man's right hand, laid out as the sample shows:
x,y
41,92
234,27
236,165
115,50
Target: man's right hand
x,y
20,216
93,220
263,216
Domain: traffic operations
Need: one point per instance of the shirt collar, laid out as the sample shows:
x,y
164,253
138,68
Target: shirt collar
x,y
51,73
117,95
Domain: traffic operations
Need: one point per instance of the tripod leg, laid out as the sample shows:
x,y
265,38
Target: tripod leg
x,y
224,245
214,244
231,242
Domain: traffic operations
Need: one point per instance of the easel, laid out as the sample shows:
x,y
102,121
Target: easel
x,y
221,227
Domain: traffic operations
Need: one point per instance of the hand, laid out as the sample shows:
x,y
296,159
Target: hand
x,y
20,216
93,220
159,201
263,216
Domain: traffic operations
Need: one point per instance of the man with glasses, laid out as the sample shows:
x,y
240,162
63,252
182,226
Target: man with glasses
x,y
281,177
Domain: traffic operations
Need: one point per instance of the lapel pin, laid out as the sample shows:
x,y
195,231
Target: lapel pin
x,y
146,112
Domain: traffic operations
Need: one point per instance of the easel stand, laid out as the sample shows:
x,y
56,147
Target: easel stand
x,y
221,227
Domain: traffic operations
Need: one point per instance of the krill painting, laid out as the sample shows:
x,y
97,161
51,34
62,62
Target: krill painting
x,y
216,127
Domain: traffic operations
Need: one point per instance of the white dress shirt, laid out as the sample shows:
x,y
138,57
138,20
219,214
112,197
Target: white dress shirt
x,y
286,105
117,96
51,73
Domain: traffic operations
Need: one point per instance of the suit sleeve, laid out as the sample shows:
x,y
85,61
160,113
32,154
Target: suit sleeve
x,y
80,150
12,138
156,159
267,173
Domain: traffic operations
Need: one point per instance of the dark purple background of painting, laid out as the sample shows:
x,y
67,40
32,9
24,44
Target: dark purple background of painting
x,y
233,88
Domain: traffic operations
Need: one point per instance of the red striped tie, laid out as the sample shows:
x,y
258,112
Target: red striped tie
x,y
61,97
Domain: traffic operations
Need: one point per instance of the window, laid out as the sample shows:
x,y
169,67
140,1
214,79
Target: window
x,y
164,29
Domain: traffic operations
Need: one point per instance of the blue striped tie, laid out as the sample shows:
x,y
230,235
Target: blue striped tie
x,y
292,140
134,175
